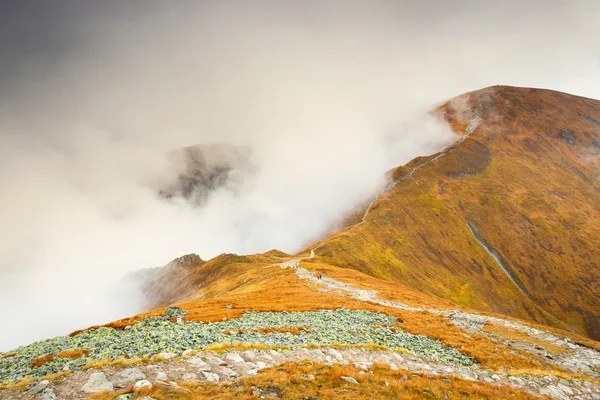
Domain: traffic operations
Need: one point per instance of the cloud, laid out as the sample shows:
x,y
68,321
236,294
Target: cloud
x,y
326,95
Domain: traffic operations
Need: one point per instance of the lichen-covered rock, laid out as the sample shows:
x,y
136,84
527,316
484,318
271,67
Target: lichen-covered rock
x,y
163,339
142,384
38,387
97,382
349,379
172,312
127,377
48,394
211,377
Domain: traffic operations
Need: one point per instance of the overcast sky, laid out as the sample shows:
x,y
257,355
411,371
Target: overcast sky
x,y
326,95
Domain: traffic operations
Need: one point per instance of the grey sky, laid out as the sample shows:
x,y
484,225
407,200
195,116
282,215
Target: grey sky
x,y
326,94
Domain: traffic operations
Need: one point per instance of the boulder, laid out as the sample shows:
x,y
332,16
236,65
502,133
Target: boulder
x,y
142,384
349,379
97,382
214,378
38,387
48,394
128,377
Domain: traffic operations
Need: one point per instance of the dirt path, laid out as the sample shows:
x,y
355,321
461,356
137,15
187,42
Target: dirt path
x,y
576,358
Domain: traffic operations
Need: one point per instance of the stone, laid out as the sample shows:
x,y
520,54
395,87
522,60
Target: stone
x,y
261,365
199,363
38,387
166,356
126,396
553,391
234,357
187,352
228,372
214,378
214,360
364,365
404,377
144,383
48,394
349,379
516,381
252,372
565,389
127,377
97,382
190,376
249,355
146,398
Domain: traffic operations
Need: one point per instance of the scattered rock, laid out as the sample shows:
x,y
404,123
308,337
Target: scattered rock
x,y
516,381
48,394
199,363
38,387
126,396
234,357
211,377
190,376
159,373
273,392
364,365
165,356
142,384
127,377
349,379
97,382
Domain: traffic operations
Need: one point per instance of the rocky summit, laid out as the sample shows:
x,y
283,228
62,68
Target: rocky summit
x,y
472,274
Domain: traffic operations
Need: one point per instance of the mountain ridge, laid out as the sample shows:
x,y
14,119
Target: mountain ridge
x,y
421,293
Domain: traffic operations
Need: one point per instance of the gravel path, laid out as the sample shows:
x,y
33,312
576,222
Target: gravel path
x,y
577,358
231,365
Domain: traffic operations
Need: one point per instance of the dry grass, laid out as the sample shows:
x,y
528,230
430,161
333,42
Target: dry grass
x,y
18,385
42,360
120,362
516,335
532,202
73,353
294,330
276,289
57,375
290,381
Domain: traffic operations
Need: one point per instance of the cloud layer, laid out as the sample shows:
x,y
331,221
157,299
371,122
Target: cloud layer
x,y
326,95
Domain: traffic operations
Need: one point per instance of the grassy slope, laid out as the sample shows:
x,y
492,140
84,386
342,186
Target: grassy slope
x,y
418,250
534,198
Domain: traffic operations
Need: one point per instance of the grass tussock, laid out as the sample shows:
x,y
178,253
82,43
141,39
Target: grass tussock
x,y
18,385
120,362
57,375
42,360
73,354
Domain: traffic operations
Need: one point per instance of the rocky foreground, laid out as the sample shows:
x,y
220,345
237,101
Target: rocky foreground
x,y
351,353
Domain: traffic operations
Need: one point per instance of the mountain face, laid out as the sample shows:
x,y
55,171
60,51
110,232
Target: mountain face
x,y
205,168
474,274
506,220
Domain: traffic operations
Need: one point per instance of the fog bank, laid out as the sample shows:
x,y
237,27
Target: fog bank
x,y
326,96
